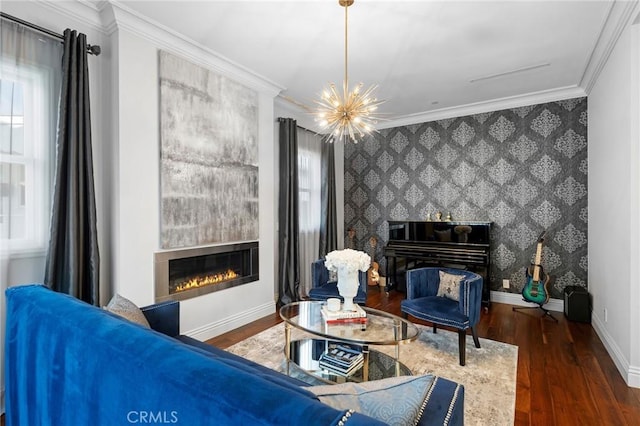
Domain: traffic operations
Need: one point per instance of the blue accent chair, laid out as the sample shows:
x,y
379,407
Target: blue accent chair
x,y
322,288
423,303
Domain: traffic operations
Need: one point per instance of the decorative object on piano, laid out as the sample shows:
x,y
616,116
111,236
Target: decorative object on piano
x,y
373,275
536,289
428,216
439,216
347,263
448,218
462,231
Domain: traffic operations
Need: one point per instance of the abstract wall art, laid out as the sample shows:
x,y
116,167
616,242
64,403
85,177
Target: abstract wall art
x,y
208,156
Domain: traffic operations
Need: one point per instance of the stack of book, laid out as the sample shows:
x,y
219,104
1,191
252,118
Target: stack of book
x,y
358,316
342,359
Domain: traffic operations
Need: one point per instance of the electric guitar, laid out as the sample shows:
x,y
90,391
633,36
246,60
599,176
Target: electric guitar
x,y
536,290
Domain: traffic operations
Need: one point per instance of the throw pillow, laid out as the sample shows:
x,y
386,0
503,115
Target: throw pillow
x,y
450,285
125,308
395,401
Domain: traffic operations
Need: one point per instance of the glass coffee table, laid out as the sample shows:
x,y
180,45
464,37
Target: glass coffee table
x,y
381,329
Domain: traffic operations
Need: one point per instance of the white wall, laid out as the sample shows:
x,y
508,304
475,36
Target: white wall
x,y
614,198
136,183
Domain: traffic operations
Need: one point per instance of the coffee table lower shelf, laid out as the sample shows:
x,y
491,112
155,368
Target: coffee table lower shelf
x,y
305,355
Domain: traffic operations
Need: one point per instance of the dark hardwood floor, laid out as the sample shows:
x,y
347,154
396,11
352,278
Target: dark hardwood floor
x,y
565,376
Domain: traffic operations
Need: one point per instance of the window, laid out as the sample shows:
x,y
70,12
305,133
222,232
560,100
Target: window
x,y
309,185
29,92
309,202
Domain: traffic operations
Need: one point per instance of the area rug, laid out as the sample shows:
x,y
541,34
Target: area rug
x,y
489,376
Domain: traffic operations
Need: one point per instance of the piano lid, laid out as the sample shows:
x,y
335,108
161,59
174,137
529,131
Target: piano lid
x,y
460,232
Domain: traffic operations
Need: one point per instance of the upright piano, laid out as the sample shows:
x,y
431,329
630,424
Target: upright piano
x,y
462,245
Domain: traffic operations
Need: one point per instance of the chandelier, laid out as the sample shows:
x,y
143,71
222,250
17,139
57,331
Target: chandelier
x,y
343,114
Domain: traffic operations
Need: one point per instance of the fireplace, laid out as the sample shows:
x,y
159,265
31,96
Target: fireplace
x,y
186,273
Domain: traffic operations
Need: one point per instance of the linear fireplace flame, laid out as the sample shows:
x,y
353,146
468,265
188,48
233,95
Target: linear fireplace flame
x,y
205,280
186,273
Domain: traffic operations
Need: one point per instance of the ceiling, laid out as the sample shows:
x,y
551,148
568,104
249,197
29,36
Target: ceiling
x,y
425,56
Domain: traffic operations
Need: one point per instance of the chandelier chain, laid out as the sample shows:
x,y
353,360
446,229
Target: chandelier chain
x,y
346,48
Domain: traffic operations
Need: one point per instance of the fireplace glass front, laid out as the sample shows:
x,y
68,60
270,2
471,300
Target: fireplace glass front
x,y
183,274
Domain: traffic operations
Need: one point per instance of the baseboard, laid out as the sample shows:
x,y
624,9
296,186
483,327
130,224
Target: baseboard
x,y
211,330
630,373
556,305
634,377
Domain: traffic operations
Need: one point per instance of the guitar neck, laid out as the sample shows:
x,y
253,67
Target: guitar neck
x,y
537,263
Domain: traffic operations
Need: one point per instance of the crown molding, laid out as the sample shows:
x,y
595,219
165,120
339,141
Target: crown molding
x,y
83,11
620,15
534,98
167,39
487,106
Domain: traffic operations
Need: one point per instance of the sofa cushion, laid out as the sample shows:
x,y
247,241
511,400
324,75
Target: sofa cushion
x,y
395,401
125,308
449,285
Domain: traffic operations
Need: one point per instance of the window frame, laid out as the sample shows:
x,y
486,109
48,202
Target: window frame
x,y
38,156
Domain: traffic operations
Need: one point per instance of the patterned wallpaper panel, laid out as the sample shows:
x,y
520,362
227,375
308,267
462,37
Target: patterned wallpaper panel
x,y
524,169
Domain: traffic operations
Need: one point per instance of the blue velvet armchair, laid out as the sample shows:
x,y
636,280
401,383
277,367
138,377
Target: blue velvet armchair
x,y
423,302
322,288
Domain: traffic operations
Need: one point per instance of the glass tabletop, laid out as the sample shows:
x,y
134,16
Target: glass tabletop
x,y
381,328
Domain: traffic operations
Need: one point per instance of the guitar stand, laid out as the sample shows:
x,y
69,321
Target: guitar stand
x,y
546,313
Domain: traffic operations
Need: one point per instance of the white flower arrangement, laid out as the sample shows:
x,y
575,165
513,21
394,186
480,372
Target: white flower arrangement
x,y
352,260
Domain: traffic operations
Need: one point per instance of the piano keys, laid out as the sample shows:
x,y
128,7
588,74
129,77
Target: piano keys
x,y
462,245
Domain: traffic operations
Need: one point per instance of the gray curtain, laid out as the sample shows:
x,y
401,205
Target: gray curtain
x,y
288,252
73,261
328,218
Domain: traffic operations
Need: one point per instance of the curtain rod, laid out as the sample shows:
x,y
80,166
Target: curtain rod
x,y
280,119
91,49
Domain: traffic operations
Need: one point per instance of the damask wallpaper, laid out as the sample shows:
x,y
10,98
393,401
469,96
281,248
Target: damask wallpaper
x,y
524,169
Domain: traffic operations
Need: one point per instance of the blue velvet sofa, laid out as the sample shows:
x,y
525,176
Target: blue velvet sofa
x,y
69,363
